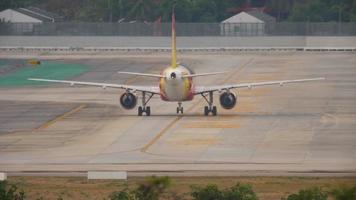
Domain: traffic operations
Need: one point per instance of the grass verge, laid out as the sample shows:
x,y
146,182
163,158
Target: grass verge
x,y
81,188
47,69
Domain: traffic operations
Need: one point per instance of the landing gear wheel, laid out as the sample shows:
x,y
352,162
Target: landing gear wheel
x,y
210,108
140,111
206,110
145,109
214,111
179,110
148,111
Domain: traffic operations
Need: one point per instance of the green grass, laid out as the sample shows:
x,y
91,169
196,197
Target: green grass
x,y
48,70
2,63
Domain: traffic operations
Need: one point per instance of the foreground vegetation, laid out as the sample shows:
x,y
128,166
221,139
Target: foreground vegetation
x,y
196,188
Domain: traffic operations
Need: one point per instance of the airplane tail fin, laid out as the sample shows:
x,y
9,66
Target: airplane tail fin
x,y
174,44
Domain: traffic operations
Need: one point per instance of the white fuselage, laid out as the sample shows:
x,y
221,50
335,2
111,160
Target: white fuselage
x,y
175,87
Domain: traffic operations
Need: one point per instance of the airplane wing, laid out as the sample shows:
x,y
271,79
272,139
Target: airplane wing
x,y
142,74
149,89
205,89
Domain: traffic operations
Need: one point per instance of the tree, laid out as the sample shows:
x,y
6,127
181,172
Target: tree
x,y
9,192
323,10
308,194
140,10
119,9
5,4
279,7
183,10
344,193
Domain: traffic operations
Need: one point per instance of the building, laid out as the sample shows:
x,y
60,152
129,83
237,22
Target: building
x,y
251,23
23,21
28,15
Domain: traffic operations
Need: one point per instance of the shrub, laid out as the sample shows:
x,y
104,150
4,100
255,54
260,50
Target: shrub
x,y
309,194
240,192
344,193
9,192
210,192
152,189
122,195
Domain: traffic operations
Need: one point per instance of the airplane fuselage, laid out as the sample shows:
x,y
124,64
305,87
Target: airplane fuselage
x,y
175,87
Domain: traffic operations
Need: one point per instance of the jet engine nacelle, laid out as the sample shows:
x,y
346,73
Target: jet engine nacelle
x,y
128,100
228,100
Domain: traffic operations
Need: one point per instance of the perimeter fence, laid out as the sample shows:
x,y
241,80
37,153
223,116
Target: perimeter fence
x,y
183,29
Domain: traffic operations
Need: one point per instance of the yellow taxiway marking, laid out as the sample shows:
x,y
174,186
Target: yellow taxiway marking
x,y
211,124
163,131
71,112
159,135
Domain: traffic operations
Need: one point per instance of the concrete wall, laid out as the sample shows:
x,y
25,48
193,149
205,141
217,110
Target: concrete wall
x,y
331,41
183,42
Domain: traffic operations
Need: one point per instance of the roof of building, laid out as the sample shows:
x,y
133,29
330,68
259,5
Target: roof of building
x,y
33,14
250,17
40,14
242,17
13,16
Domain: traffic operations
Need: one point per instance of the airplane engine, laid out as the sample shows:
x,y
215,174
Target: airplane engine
x,y
128,100
228,100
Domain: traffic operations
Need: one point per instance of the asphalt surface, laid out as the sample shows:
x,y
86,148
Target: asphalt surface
x,y
298,128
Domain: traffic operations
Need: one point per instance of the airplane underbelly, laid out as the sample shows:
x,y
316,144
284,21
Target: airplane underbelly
x,y
176,92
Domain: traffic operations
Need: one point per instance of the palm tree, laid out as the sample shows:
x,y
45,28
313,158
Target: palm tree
x,y
165,9
141,10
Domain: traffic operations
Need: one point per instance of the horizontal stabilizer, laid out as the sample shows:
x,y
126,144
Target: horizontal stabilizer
x,y
203,74
142,74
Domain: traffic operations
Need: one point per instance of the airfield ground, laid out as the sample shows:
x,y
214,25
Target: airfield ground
x,y
300,129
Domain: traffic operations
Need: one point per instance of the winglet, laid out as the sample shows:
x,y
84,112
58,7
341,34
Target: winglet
x,y
174,45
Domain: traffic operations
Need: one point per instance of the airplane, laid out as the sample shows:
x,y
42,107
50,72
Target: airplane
x,y
176,85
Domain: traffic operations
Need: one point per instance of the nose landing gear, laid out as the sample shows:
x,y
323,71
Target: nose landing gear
x,y
179,108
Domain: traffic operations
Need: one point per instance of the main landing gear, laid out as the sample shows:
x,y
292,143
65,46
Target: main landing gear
x,y
209,109
179,108
145,109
